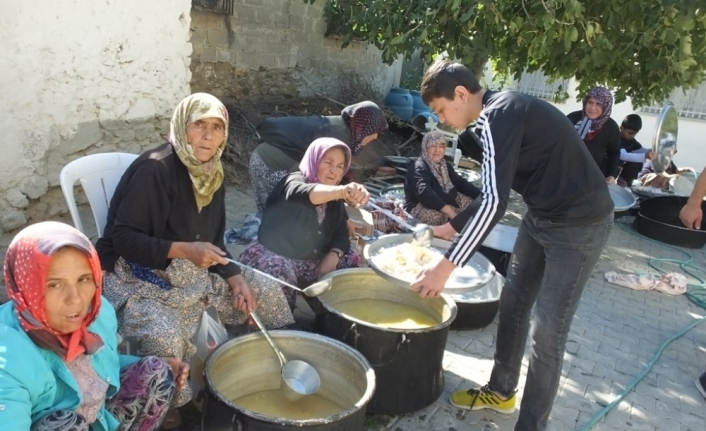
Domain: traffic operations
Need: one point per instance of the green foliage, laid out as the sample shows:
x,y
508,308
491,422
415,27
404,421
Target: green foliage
x,y
643,49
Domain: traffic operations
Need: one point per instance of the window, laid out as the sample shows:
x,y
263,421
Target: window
x,y
688,103
218,6
536,84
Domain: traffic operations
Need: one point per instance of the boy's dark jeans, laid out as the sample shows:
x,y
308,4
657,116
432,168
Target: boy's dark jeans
x,y
551,265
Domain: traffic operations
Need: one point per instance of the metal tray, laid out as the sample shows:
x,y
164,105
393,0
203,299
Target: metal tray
x,y
474,275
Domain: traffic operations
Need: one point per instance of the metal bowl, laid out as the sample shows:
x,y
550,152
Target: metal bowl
x,y
469,175
474,275
393,192
622,198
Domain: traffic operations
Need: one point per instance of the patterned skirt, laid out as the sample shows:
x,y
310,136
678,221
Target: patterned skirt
x,y
146,390
437,218
164,321
300,273
263,179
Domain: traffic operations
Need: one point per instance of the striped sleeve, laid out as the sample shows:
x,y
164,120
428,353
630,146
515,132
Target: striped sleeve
x,y
500,135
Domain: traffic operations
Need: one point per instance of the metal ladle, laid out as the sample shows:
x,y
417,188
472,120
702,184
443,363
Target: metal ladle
x,y
421,233
299,377
315,289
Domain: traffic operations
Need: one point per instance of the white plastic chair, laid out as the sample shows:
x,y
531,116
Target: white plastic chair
x,y
99,175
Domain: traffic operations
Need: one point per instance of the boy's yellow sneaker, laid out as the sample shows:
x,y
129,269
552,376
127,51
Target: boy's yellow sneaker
x,y
483,398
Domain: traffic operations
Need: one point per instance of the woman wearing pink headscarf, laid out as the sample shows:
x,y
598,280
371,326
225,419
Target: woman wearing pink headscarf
x,y
599,132
303,233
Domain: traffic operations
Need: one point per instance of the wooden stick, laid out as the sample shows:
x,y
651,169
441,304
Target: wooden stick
x,y
330,99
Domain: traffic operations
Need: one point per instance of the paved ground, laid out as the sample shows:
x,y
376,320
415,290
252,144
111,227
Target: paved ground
x,y
616,332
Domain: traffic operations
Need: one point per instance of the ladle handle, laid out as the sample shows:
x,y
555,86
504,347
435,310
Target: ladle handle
x,y
271,277
280,355
392,216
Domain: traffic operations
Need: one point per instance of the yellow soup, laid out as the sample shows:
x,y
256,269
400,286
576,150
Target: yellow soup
x,y
386,313
273,403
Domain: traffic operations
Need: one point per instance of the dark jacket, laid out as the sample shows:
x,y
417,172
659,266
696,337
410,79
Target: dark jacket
x,y
531,147
605,145
154,206
422,187
293,135
290,226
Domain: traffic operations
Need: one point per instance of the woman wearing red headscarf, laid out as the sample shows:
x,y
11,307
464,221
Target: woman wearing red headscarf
x,y
303,234
59,365
599,132
284,140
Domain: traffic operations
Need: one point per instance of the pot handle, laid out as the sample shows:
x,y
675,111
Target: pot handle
x,y
356,335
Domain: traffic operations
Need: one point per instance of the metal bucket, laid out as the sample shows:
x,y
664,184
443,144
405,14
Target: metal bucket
x,y
407,362
247,364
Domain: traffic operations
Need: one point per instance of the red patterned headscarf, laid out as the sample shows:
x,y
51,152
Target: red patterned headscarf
x,y
363,119
26,266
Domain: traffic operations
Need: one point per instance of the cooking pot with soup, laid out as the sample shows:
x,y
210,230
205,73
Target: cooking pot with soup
x,y
401,335
243,385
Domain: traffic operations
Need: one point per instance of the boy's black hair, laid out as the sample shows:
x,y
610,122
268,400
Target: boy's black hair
x,y
632,122
442,78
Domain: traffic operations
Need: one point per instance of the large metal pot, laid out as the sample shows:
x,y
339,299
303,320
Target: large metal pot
x,y
407,362
659,219
247,364
478,309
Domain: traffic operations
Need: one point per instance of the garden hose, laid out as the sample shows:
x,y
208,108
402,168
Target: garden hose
x,y
696,294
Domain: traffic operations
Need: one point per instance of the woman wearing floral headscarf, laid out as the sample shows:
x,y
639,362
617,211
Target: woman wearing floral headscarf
x,y
60,367
303,234
284,141
434,191
600,132
163,250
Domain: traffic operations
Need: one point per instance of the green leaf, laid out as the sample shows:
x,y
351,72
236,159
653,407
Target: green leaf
x,y
397,39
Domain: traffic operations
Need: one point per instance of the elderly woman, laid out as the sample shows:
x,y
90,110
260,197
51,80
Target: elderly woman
x,y
600,132
284,141
60,369
162,250
434,191
303,234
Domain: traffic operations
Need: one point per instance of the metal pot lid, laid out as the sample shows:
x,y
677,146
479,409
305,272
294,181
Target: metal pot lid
x,y
474,275
664,142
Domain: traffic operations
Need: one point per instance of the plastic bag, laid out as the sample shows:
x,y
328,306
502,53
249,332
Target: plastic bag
x,y
210,333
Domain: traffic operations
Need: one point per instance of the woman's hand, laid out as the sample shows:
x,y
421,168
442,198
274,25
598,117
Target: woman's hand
x,y
180,371
610,180
243,298
327,264
201,254
449,211
355,194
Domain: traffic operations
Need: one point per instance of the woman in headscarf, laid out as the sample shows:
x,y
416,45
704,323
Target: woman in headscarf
x,y
60,367
284,140
303,234
434,191
600,132
163,251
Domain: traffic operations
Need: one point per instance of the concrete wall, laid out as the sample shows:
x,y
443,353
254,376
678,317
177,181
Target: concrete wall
x,y
277,48
82,77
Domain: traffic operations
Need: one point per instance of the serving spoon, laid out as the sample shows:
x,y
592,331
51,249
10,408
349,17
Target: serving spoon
x,y
421,233
315,289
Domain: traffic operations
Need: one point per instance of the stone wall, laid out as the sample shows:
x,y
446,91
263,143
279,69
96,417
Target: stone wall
x,y
277,48
79,78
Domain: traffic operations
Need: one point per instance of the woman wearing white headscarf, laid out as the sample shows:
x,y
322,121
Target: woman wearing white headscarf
x,y
434,191
163,250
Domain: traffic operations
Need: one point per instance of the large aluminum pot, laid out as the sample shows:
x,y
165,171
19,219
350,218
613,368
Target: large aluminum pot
x,y
247,365
407,362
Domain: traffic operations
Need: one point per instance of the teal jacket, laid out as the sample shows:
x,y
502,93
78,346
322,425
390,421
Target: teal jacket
x,y
35,382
